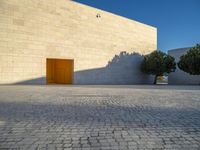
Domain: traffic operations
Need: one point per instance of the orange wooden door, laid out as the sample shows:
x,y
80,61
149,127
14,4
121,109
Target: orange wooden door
x,y
60,71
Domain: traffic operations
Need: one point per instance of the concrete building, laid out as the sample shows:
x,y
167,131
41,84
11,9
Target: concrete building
x,y
179,76
62,41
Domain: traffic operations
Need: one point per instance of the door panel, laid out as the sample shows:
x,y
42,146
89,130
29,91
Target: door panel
x,y
69,72
50,69
60,71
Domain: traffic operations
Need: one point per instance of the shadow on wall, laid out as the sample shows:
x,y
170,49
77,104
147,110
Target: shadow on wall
x,y
36,81
122,69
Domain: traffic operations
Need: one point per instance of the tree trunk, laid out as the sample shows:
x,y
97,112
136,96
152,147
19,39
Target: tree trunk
x,y
155,79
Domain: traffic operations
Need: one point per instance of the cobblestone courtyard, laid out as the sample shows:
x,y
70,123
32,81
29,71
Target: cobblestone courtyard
x,y
100,117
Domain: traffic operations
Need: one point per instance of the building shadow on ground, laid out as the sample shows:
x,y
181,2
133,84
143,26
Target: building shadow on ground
x,y
100,113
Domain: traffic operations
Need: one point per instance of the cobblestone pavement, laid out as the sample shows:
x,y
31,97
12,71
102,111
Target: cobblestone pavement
x,y
100,117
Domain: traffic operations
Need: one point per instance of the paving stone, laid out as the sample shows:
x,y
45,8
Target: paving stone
x,y
99,117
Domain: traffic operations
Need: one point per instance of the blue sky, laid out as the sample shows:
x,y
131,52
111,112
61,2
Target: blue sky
x,y
177,21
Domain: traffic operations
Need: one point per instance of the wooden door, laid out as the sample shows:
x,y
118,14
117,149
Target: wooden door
x,y
61,71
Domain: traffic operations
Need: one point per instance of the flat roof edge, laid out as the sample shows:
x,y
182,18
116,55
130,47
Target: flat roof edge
x,y
177,49
111,13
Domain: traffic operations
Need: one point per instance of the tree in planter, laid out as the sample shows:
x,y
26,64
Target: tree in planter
x,y
158,63
190,62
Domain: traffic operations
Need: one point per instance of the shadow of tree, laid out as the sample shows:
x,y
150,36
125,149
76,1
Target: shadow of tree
x,y
122,69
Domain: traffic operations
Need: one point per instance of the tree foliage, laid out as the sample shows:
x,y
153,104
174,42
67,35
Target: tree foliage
x,y
190,62
158,63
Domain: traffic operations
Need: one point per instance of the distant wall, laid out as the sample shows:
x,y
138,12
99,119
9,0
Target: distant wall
x,y
180,77
33,30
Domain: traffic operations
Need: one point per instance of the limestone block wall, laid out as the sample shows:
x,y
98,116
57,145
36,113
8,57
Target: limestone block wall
x,y
179,76
33,30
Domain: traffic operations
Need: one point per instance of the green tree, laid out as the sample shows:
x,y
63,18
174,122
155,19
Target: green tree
x,y
158,63
190,62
